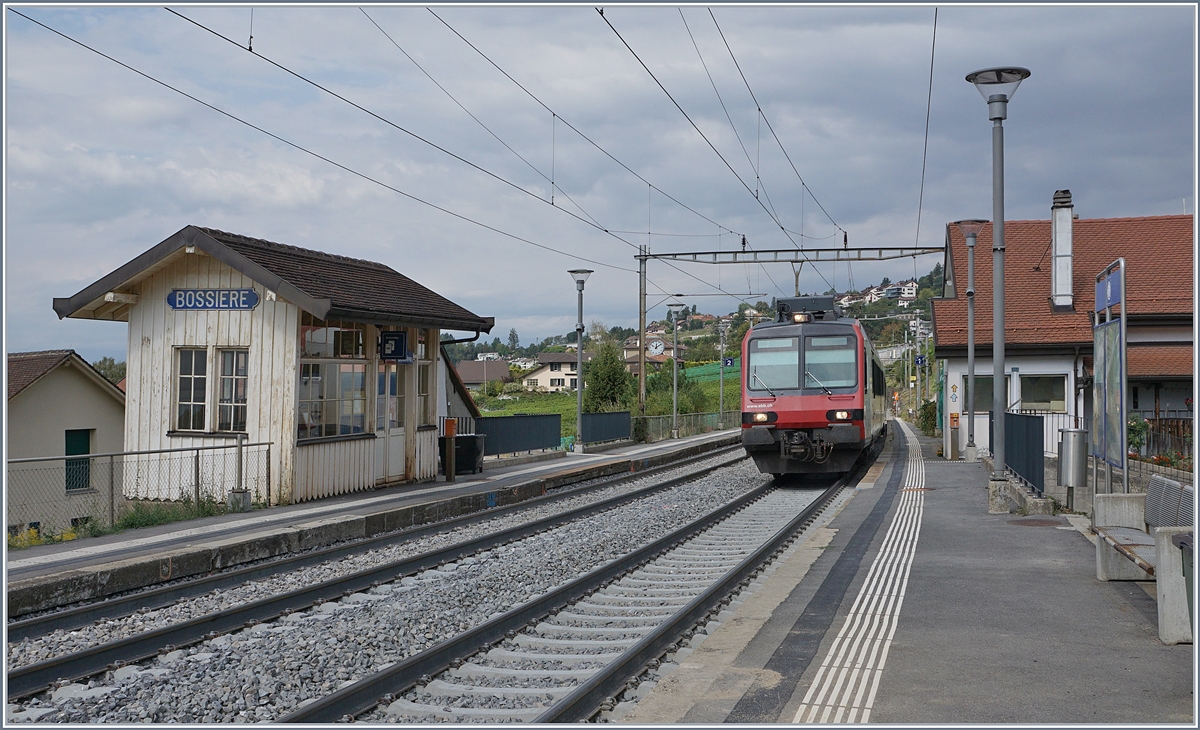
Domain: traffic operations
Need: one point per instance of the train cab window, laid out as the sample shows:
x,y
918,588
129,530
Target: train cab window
x,y
774,364
830,361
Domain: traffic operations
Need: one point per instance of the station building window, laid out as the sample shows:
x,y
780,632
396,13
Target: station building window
x,y
1044,393
332,394
192,374
231,401
425,374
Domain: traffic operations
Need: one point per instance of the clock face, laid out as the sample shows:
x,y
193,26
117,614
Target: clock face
x,y
656,347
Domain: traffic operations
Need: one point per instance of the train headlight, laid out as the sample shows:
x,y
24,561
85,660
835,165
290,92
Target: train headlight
x,y
801,317
842,415
760,417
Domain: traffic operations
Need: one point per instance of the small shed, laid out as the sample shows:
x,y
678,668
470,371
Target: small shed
x,y
333,360
58,405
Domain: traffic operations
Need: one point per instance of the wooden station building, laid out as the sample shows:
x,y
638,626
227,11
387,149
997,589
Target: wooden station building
x,y
334,360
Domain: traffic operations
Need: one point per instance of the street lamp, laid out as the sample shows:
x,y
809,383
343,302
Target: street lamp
x,y
970,229
722,328
997,86
673,318
580,276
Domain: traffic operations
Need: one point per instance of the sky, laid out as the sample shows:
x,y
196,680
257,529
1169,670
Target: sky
x,y
642,124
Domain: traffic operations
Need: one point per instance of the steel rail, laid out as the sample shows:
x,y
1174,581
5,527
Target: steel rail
x,y
37,677
128,604
582,703
365,693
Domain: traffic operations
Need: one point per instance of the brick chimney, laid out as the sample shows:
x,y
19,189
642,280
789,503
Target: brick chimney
x,y
1061,213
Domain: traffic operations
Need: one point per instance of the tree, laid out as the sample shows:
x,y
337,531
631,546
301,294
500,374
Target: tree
x,y
112,370
514,340
885,281
607,385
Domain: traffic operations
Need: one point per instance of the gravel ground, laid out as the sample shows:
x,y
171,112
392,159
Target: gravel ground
x,y
264,672
62,642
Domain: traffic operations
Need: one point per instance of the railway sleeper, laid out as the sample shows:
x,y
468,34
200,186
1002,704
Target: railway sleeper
x,y
472,670
597,599
406,709
547,628
614,617
567,660
442,688
540,642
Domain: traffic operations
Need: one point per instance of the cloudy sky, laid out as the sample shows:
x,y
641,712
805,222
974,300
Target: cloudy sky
x,y
102,163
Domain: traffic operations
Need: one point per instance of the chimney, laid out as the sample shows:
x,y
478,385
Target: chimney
x,y
1061,215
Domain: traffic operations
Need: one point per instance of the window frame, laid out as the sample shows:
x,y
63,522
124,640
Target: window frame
x,y
177,377
233,405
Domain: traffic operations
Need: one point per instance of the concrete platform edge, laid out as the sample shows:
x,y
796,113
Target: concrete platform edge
x,y
71,586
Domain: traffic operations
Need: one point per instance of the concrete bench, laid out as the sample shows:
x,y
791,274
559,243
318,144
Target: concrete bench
x,y
1134,534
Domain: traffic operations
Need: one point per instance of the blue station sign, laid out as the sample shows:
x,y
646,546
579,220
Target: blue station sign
x,y
212,299
393,346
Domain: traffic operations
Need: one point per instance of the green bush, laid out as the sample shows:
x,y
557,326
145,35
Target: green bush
x,y
927,418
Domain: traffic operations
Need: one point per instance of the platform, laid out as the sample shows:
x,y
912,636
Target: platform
x,y
966,618
85,569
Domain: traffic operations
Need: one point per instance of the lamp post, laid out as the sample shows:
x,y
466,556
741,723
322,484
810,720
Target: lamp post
x,y
580,276
997,86
970,229
673,318
722,328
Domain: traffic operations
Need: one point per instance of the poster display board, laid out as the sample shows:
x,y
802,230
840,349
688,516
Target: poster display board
x,y
1108,437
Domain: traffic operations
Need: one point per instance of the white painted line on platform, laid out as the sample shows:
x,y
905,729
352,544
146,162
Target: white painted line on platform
x,y
844,687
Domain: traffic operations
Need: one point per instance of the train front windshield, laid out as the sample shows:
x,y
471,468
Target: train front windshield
x,y
829,361
774,364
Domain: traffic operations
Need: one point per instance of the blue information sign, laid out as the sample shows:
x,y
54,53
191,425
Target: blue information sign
x,y
728,362
920,359
393,346
212,299
1108,291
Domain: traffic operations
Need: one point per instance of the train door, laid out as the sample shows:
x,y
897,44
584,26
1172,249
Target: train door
x,y
389,423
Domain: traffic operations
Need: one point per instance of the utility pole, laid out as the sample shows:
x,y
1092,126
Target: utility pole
x,y
642,332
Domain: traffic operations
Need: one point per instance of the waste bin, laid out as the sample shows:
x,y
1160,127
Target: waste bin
x,y
468,452
1185,544
1072,461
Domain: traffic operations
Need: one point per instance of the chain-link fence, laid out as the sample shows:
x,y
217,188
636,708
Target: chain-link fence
x,y
68,496
659,428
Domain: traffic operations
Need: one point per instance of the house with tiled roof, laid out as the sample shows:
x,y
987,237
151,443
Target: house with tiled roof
x,y
555,371
58,405
1049,296
332,360
475,373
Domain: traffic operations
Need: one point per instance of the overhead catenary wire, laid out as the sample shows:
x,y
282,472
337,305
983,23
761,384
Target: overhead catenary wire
x,y
301,77
768,121
574,129
317,155
396,126
925,151
711,146
651,187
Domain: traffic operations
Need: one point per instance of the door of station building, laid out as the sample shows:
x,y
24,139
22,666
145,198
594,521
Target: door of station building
x,y
389,423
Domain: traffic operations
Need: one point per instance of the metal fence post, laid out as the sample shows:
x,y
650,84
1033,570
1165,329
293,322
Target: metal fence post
x,y
238,480
268,471
197,481
112,493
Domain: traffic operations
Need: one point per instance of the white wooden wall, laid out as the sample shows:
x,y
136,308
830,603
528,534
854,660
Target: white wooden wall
x,y
269,331
335,467
427,454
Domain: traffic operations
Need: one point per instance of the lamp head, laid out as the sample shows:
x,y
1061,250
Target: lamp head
x,y
580,275
970,228
997,86
675,308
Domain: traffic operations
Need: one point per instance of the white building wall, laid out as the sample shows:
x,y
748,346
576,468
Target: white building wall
x,y
955,400
269,331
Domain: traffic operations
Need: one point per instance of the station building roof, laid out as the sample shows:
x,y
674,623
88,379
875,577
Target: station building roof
x,y
1158,252
328,286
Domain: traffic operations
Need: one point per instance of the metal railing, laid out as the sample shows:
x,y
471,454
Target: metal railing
x,y
658,428
1024,455
597,427
466,425
510,434
1166,437
66,495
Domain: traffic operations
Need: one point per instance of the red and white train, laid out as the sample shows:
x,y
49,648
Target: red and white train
x,y
813,390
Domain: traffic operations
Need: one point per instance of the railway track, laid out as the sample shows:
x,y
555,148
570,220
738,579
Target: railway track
x,y
74,617
531,675
35,678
